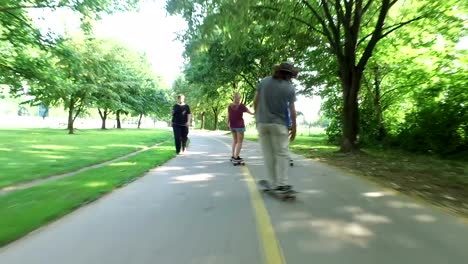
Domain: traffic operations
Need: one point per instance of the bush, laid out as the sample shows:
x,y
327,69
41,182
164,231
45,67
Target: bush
x,y
440,128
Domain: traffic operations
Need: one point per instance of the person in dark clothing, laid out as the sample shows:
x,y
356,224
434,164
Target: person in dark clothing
x,y
181,118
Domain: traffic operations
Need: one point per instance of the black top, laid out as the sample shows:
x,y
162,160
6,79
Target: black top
x,y
179,114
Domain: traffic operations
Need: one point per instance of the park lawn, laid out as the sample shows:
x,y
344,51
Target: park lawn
x,y
26,210
441,182
29,154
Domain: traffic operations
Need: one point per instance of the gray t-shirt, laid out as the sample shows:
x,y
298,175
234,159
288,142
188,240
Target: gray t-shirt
x,y
274,98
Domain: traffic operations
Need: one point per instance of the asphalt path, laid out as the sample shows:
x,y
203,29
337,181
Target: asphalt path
x,y
198,208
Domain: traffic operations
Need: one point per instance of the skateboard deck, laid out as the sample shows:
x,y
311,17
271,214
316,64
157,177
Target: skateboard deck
x,y
237,162
285,196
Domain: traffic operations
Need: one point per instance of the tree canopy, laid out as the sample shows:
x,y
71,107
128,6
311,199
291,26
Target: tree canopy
x,y
384,69
78,72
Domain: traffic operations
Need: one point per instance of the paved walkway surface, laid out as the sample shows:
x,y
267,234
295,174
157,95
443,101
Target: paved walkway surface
x,y
198,208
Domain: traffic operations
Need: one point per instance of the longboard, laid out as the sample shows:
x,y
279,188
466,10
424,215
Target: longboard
x,y
237,162
285,196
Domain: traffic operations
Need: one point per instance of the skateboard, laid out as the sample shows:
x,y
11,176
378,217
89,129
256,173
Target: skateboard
x,y
237,162
284,196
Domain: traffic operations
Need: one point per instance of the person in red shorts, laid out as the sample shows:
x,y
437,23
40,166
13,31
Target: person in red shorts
x,y
236,124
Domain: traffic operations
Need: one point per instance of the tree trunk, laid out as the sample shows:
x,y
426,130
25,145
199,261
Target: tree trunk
x,y
375,92
202,120
103,115
382,133
351,81
118,119
215,113
139,120
342,32
70,120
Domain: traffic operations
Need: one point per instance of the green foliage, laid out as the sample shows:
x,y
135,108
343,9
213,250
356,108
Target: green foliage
x,y
401,49
21,41
79,72
331,108
439,121
83,72
415,82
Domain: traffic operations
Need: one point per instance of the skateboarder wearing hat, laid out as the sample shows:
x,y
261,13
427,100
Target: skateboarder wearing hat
x,y
274,94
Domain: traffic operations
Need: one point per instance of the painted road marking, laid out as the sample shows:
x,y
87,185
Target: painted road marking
x,y
272,252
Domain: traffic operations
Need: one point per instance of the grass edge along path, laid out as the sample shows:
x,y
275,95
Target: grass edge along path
x,y
36,154
25,210
33,183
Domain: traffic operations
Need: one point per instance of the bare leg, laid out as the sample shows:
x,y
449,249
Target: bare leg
x,y
240,139
234,143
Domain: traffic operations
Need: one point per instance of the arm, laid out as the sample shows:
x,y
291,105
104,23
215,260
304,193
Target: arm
x,y
228,123
189,120
247,110
255,101
292,110
189,116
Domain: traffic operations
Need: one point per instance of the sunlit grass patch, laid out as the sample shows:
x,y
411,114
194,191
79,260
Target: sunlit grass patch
x,y
29,154
25,210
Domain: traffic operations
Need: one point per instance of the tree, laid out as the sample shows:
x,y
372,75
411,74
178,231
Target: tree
x,y
154,102
347,30
194,97
82,68
119,63
20,39
216,60
344,27
81,75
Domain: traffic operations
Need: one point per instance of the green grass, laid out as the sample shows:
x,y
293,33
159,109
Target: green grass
x,y
25,210
441,182
315,144
29,154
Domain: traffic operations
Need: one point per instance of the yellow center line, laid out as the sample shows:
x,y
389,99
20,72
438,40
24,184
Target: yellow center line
x,y
271,247
272,252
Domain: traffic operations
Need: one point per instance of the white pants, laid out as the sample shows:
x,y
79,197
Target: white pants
x,y
274,139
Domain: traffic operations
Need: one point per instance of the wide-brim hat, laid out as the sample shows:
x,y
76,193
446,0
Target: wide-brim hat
x,y
287,67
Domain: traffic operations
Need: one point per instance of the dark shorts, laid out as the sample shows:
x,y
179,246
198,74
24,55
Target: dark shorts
x,y
238,130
